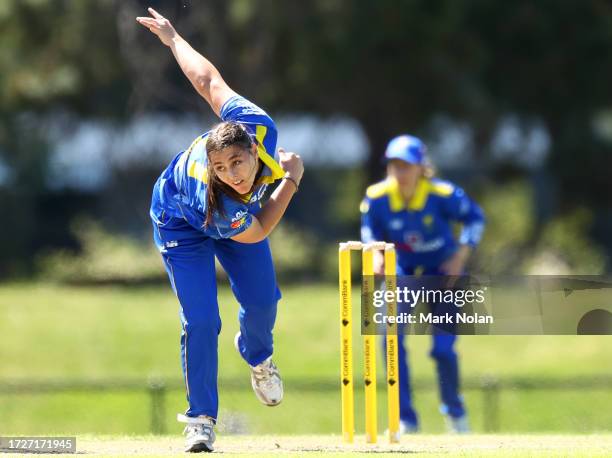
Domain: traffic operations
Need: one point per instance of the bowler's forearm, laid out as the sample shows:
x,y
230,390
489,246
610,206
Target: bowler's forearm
x,y
269,216
274,209
202,74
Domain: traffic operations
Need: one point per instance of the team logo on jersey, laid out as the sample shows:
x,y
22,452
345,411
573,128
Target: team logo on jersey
x,y
427,220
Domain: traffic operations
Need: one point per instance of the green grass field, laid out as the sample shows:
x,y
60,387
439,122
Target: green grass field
x,y
52,333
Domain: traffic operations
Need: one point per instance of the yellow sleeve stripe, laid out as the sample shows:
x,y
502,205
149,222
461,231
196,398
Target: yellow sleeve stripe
x,y
441,189
196,169
277,171
377,190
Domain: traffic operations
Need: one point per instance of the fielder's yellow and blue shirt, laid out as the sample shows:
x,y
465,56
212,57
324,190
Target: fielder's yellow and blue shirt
x,y
180,192
422,228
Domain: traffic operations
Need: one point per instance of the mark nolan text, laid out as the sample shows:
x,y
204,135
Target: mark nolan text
x,y
432,318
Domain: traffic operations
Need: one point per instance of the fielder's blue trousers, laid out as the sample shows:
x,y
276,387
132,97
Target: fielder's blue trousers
x,y
189,258
444,355
447,367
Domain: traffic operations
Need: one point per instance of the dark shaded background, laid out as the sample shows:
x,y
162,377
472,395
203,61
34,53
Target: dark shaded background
x,y
393,66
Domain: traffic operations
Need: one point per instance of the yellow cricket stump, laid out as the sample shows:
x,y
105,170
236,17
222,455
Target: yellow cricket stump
x,y
346,344
346,353
392,350
369,346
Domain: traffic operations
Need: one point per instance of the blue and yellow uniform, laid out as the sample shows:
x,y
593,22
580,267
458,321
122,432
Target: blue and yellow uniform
x,y
422,231
188,249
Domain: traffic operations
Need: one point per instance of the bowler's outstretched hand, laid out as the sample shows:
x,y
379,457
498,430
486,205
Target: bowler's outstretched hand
x,y
159,25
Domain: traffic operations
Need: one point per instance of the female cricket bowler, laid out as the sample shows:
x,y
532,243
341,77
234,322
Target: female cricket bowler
x,y
416,213
206,204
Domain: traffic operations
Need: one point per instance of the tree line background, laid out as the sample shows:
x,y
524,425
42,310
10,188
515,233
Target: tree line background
x,y
392,66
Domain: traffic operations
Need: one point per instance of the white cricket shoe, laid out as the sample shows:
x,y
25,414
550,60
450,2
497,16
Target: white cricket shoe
x,y
265,380
267,383
457,425
199,433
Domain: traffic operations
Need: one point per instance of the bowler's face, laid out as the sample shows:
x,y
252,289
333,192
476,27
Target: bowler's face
x,y
236,167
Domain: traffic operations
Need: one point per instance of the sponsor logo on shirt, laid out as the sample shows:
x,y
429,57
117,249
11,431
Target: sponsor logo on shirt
x,y
238,223
416,244
239,219
240,214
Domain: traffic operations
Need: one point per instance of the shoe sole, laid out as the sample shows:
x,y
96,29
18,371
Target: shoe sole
x,y
199,447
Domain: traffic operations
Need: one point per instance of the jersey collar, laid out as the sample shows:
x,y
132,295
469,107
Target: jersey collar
x,y
416,202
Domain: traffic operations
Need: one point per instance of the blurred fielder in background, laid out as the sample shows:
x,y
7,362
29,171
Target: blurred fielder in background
x,y
416,212
206,204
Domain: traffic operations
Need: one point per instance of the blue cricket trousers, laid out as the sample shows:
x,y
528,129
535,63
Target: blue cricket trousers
x,y
189,258
447,366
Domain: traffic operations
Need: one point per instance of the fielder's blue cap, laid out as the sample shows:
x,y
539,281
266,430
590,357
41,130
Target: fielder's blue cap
x,y
406,148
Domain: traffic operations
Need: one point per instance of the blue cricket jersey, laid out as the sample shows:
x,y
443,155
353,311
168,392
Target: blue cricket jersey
x,y
422,229
179,195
